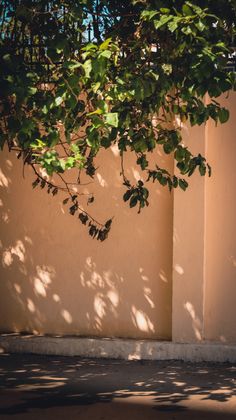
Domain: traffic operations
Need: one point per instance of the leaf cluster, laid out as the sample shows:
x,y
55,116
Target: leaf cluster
x,y
81,76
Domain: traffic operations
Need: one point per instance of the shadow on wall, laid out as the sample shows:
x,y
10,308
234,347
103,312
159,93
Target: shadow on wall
x,y
56,279
34,387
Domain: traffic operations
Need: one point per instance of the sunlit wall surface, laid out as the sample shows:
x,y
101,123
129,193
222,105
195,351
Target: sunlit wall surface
x,y
204,246
55,279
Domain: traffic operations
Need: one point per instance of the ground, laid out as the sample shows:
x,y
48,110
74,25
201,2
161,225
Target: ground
x,y
52,387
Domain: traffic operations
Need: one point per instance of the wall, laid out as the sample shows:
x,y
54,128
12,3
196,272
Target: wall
x,y
220,288
204,247
188,249
56,279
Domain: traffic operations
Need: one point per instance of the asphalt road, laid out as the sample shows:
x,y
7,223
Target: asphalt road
x,y
46,387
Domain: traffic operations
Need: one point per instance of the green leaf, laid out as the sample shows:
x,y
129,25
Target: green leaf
x,y
173,25
53,138
180,154
209,170
96,86
142,161
112,119
162,21
106,142
145,193
74,81
87,67
183,184
71,102
168,147
106,54
108,224
140,145
58,101
223,114
83,218
148,14
96,112
200,26
187,11
32,90
70,162
187,30
202,169
105,44
45,109
127,195
163,180
165,10
133,201
72,65
175,182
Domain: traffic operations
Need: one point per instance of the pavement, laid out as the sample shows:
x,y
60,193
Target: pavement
x,y
52,387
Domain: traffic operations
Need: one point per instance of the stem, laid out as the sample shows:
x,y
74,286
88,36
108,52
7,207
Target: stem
x,y
66,189
126,181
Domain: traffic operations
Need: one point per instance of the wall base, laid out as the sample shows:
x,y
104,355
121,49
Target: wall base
x,y
117,348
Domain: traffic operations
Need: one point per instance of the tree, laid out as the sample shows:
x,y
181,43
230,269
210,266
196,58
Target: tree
x,y
80,76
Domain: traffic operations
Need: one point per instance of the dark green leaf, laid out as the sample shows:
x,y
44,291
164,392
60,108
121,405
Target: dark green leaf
x,y
223,114
183,184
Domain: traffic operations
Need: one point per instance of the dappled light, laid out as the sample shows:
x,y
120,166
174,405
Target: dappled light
x,y
55,279
17,250
99,306
152,390
56,298
43,279
141,320
101,180
5,217
17,288
179,269
196,323
113,297
40,287
7,258
163,276
30,305
67,316
232,258
148,296
136,174
4,181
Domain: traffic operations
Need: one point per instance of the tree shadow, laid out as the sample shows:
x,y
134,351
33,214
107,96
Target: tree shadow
x,y
32,384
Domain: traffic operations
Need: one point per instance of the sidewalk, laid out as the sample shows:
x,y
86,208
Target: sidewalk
x,y
52,387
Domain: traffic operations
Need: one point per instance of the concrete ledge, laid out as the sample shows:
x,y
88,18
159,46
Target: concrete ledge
x,y
117,348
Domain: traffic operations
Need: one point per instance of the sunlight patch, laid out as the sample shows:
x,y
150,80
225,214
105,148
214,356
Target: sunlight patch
x,y
142,321
67,316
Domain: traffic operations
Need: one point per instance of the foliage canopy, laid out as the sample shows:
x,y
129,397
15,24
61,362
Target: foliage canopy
x,y
80,76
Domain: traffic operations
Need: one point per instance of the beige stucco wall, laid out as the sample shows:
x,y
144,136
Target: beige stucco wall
x,y
188,249
204,247
220,287
56,279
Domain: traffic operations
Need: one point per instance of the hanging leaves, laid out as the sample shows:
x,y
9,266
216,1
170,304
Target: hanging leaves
x,y
72,84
